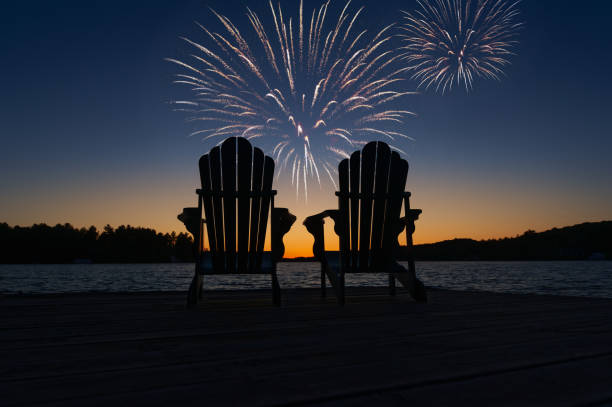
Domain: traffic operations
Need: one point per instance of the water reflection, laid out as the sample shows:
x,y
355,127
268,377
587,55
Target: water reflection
x,y
558,278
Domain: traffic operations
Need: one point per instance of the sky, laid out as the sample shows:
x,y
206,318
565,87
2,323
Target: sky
x,y
88,135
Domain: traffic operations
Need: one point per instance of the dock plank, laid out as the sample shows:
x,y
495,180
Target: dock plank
x,y
146,348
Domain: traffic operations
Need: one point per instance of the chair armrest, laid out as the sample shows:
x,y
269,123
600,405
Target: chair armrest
x,y
281,223
411,216
407,221
191,218
314,225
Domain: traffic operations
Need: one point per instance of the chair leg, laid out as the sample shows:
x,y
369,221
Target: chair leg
x,y
195,291
323,283
276,292
409,280
341,288
392,285
201,289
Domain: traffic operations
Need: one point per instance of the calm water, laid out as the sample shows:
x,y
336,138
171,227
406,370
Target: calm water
x,y
558,278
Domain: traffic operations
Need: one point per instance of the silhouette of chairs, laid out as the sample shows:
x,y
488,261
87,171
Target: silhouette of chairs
x,y
368,222
236,199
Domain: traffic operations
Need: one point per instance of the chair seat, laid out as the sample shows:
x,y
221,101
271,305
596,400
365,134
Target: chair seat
x,y
333,261
206,265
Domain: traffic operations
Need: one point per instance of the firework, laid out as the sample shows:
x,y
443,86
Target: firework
x,y
314,86
456,41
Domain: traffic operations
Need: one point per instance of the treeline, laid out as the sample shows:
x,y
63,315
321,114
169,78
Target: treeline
x,y
126,244
579,242
66,244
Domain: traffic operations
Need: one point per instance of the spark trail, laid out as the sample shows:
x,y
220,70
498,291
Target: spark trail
x,y
451,42
313,87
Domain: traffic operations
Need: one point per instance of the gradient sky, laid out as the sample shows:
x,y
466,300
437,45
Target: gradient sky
x,y
88,137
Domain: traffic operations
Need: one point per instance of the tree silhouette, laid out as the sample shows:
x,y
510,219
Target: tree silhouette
x,y
41,243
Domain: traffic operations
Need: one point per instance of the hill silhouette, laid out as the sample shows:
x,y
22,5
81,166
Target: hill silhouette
x,y
578,242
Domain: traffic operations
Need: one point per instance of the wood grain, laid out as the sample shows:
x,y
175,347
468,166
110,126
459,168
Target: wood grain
x,y
463,348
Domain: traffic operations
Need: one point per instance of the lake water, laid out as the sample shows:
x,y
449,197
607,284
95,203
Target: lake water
x,y
592,279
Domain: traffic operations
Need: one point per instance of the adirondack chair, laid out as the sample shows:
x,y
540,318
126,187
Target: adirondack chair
x,y
235,175
368,222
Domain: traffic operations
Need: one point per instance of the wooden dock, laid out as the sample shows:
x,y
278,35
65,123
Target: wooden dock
x,y
463,348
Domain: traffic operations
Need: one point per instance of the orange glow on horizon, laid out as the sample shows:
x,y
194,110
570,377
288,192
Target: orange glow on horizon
x,y
453,207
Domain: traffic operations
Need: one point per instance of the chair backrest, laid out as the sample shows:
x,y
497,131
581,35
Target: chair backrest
x,y
371,192
236,195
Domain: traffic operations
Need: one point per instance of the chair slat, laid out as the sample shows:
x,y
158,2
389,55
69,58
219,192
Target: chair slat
x,y
204,165
355,164
245,162
268,175
368,160
215,178
258,164
228,156
343,205
383,161
397,183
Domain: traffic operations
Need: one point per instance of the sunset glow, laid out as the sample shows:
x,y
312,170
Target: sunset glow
x,y
95,141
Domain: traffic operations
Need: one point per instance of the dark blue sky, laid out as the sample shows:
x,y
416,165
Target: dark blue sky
x,y
88,137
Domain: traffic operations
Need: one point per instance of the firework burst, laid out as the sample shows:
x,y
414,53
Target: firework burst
x,y
455,41
315,87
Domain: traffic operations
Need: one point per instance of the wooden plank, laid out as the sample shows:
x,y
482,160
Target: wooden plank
x,y
568,389
355,167
343,206
476,347
221,348
245,163
557,384
204,165
29,360
228,152
373,308
368,162
383,163
258,164
266,188
215,177
397,182
220,342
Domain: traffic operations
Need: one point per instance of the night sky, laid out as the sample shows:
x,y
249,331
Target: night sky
x,y
88,135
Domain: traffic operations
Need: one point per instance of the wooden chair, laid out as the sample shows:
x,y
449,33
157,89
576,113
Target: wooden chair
x,y
236,197
368,222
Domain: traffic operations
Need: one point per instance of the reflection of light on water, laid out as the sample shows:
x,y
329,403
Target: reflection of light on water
x,y
580,278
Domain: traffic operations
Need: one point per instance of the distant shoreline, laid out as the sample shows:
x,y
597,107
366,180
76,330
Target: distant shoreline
x,y
313,260
63,244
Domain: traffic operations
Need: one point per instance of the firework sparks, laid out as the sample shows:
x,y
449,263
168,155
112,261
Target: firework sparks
x,y
316,89
455,41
